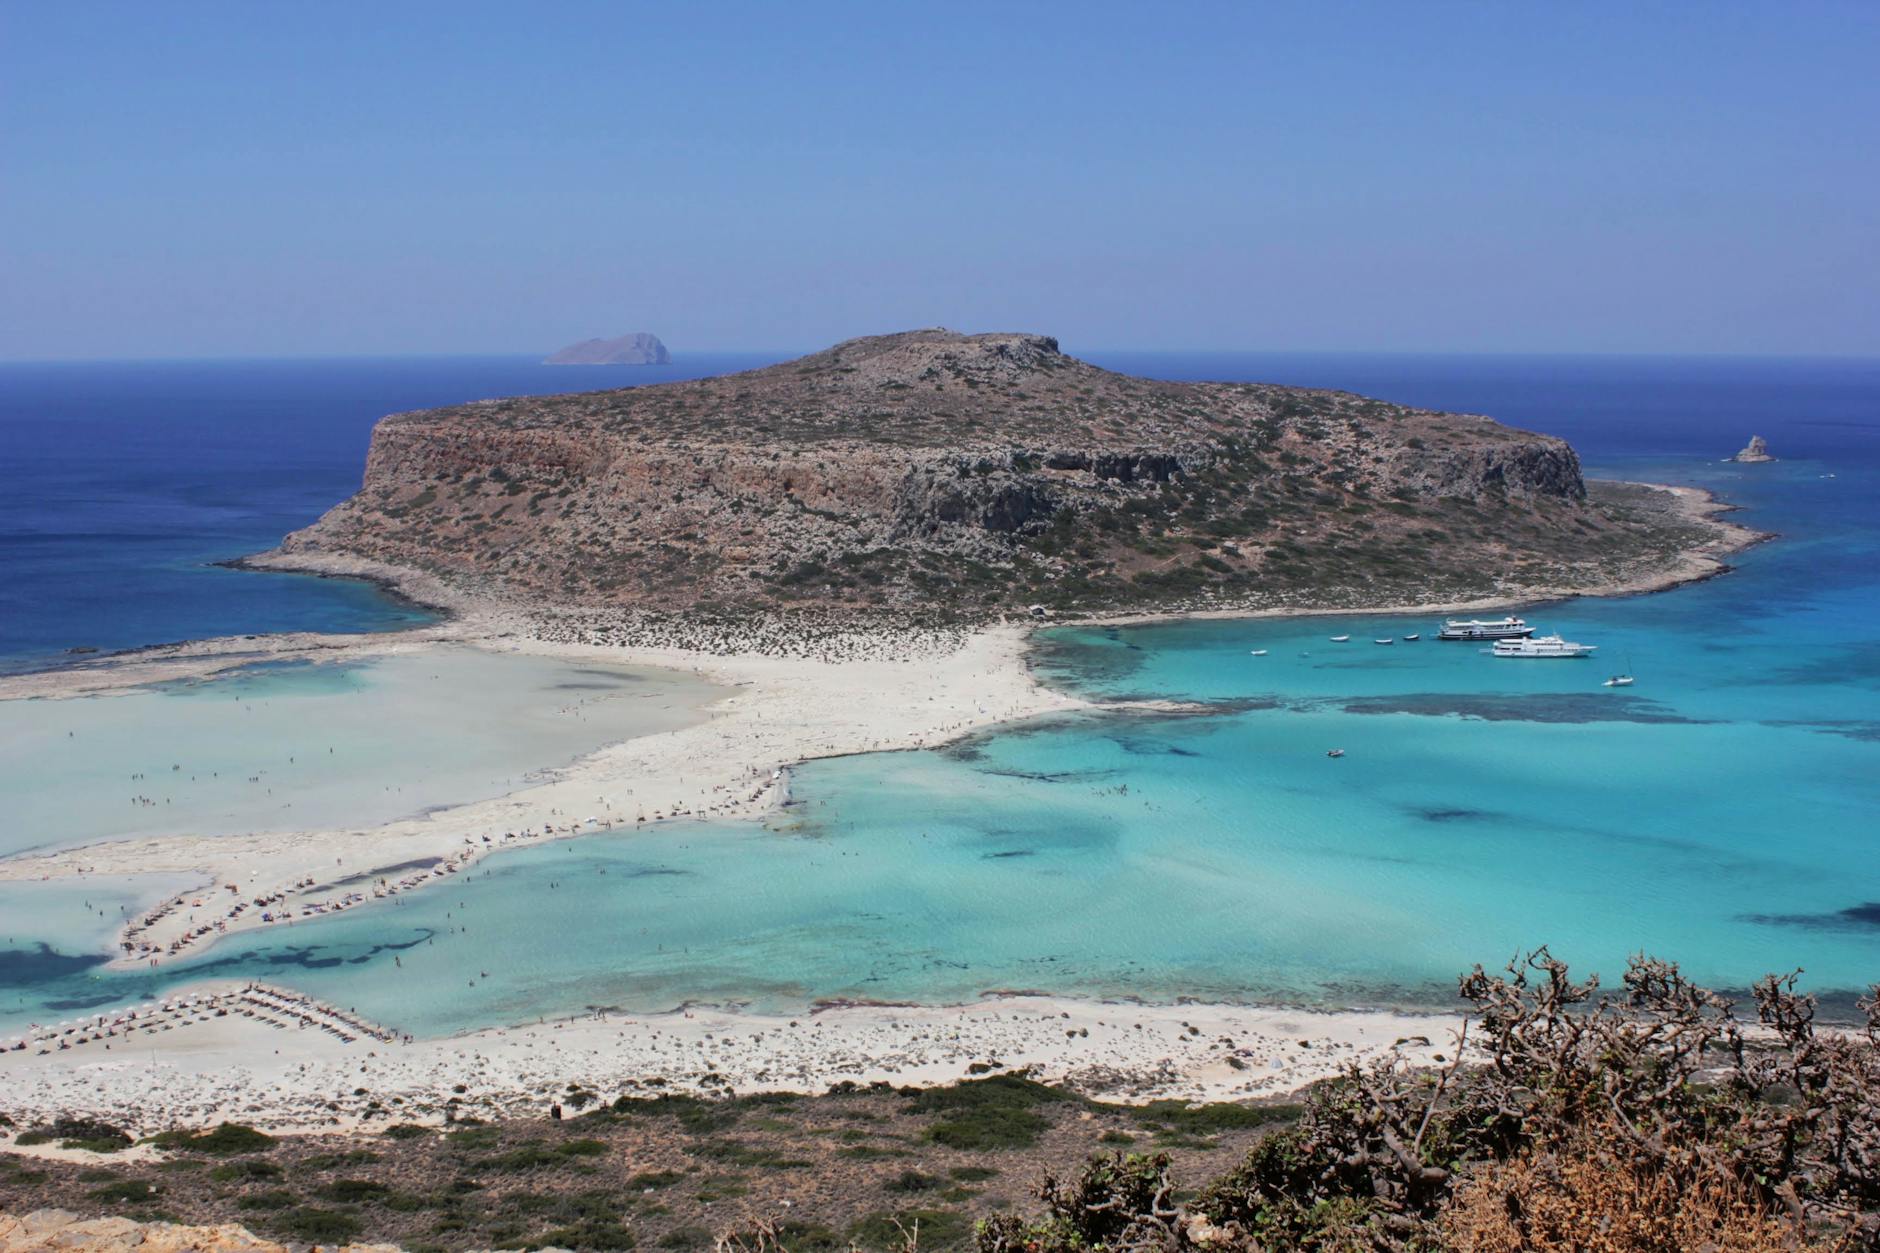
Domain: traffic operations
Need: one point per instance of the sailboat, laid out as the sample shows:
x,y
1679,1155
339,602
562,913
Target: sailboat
x,y
1621,680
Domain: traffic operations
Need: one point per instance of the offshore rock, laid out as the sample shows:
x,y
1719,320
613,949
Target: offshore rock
x,y
636,349
1756,450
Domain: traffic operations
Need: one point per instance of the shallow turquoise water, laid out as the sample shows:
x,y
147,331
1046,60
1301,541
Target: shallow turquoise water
x,y
1722,813
300,746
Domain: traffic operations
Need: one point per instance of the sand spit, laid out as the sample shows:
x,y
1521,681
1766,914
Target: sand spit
x,y
272,1058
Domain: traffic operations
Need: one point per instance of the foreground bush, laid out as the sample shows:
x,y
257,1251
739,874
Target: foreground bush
x,y
1649,1120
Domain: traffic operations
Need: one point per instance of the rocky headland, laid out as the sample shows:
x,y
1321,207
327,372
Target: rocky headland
x,y
963,477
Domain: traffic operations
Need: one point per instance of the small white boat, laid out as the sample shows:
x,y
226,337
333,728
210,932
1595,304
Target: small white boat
x,y
1257,652
1340,639
1335,752
1412,638
1541,646
1619,680
1383,641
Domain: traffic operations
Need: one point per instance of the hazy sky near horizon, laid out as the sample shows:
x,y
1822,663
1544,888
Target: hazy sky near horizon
x,y
235,179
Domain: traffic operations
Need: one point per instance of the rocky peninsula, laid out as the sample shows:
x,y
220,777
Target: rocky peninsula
x,y
964,477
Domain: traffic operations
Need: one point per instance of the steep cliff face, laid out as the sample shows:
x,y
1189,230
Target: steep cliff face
x,y
972,471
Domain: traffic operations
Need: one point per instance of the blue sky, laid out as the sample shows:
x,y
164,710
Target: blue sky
x,y
193,179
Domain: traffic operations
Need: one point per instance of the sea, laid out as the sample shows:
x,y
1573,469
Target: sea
x,y
1722,812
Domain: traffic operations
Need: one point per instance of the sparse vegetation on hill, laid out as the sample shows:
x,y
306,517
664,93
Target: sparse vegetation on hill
x,y
969,475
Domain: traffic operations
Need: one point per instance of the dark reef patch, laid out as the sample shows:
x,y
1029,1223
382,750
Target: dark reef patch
x,y
1551,707
1846,728
22,967
1862,917
1051,776
1856,662
1445,814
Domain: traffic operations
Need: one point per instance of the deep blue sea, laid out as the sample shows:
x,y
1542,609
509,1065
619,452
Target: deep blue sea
x,y
122,483
1723,812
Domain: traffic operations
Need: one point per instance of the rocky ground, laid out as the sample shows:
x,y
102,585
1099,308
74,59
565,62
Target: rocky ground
x,y
829,1171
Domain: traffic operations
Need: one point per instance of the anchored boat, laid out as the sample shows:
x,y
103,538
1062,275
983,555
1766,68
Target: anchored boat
x,y
1510,628
1544,646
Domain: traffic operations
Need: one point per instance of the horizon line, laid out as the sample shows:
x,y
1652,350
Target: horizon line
x,y
784,354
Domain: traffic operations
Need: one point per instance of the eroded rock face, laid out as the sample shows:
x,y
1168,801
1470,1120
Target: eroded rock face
x,y
932,467
1756,450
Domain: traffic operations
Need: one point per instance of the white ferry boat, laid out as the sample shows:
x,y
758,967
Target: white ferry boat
x,y
1475,629
1545,646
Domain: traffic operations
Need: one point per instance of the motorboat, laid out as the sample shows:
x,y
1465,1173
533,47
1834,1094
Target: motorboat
x,y
1542,646
1412,638
1335,752
1383,641
1257,652
1340,639
1619,680
1509,628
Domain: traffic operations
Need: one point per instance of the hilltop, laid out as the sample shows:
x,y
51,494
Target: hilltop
x,y
971,475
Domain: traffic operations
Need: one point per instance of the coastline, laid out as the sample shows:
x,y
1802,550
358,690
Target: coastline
x,y
848,693
271,1072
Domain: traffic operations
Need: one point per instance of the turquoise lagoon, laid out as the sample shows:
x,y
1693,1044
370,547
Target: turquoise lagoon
x,y
1722,812
296,746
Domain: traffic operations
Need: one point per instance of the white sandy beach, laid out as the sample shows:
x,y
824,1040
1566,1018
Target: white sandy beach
x,y
206,1068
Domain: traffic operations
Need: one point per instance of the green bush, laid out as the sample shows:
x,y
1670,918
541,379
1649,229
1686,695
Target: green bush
x,y
322,1226
138,1191
230,1138
998,1112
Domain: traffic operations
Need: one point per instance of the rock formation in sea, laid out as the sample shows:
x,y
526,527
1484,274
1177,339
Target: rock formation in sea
x,y
639,348
972,475
1756,450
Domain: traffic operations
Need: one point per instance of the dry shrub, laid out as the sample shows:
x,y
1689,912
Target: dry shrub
x,y
1601,1197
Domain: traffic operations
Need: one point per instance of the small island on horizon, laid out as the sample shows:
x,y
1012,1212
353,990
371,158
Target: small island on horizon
x,y
639,348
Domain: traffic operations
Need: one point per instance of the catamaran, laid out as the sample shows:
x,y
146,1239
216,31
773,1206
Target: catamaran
x,y
1544,646
1509,628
